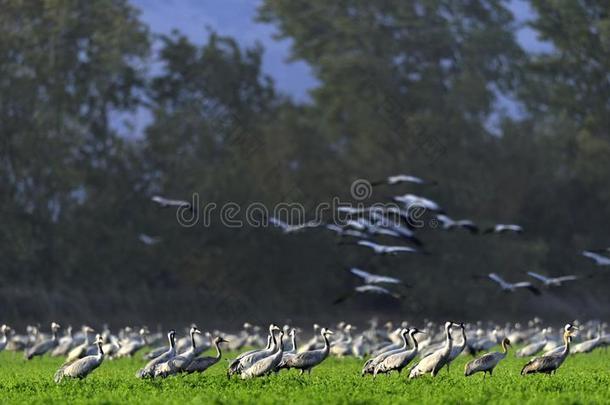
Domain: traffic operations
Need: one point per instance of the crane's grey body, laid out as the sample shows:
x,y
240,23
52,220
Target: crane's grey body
x,y
45,346
267,364
549,364
247,360
65,344
178,364
79,351
487,362
200,364
437,360
234,365
399,360
148,370
305,361
81,368
371,364
131,346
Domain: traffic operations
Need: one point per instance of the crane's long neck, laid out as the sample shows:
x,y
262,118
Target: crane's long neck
x,y
566,341
504,348
414,341
54,334
326,344
172,342
281,344
273,342
218,352
405,341
294,342
100,350
193,344
448,342
87,341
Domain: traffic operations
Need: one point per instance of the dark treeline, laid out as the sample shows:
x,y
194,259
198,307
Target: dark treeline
x,y
404,87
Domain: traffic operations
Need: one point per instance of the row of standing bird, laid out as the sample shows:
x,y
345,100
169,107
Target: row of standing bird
x,y
390,349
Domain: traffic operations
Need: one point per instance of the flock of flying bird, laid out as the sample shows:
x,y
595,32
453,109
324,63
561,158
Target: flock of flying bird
x,y
400,220
388,348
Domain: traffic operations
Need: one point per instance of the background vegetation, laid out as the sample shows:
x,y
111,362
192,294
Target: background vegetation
x,y
404,86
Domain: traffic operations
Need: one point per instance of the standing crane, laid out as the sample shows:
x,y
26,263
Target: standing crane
x,y
549,364
305,361
200,364
487,362
436,361
45,346
149,369
81,367
398,361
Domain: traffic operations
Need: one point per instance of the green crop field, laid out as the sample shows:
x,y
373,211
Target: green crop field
x,y
582,379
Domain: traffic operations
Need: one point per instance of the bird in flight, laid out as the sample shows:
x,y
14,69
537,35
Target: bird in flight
x,y
599,259
370,278
166,202
386,250
367,289
552,281
448,223
148,240
411,201
505,228
511,287
401,178
287,228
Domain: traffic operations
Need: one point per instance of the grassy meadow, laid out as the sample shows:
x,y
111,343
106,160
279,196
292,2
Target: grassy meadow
x,y
582,379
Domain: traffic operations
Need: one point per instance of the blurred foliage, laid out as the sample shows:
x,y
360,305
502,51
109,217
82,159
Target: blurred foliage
x,y
404,87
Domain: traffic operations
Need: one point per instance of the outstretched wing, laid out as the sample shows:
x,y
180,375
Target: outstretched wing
x,y
360,273
567,278
497,279
538,276
529,286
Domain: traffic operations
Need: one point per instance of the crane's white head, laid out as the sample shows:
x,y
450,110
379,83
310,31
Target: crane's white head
x,y
88,329
326,332
143,331
194,330
414,331
219,339
55,326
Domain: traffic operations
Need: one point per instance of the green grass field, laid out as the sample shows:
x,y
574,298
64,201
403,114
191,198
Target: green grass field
x,y
582,379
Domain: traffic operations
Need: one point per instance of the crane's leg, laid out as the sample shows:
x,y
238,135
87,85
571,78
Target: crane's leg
x,y
491,372
484,375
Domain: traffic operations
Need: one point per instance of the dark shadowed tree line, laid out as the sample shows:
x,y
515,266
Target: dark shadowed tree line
x,y
404,87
